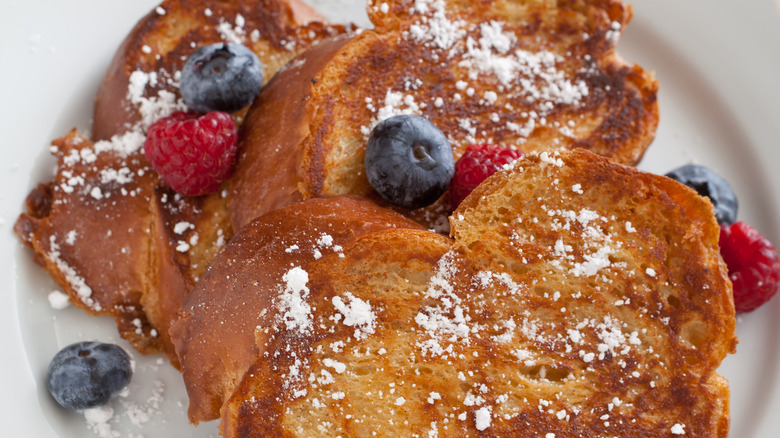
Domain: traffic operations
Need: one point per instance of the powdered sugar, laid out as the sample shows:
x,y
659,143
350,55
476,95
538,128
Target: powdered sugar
x,y
551,158
447,320
123,175
101,420
336,365
357,313
296,312
152,108
182,226
123,144
491,54
397,103
98,421
593,262
58,300
613,34
482,418
434,26
232,33
130,141
70,238
76,282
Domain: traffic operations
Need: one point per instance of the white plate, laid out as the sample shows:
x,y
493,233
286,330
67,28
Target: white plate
x,y
718,63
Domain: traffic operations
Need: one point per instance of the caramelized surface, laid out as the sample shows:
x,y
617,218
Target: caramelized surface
x,y
159,45
535,75
215,338
577,297
113,236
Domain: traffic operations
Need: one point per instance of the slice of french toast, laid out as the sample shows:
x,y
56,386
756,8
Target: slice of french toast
x,y
576,297
142,80
535,75
106,228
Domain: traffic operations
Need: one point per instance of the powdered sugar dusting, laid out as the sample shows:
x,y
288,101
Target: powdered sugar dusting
x,y
58,300
103,421
138,413
593,262
296,312
551,158
356,313
482,418
537,73
163,104
434,26
155,107
233,33
397,103
98,421
528,81
76,282
123,144
613,34
447,320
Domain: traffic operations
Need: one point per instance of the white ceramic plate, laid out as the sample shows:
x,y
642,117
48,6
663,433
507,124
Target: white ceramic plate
x,y
719,66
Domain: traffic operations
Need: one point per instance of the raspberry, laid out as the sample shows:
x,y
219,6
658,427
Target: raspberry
x,y
754,265
475,165
192,154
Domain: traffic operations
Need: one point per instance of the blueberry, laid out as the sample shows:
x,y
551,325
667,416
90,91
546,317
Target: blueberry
x,y
221,77
88,374
710,184
409,161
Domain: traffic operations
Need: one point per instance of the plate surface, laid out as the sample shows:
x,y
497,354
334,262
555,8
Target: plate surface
x,y
718,65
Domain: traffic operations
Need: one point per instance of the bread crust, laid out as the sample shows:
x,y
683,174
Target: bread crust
x,y
531,75
212,346
136,247
284,28
577,296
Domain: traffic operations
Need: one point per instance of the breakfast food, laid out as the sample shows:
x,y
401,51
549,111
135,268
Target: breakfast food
x,y
408,161
754,265
708,183
221,77
143,77
86,375
569,296
531,75
753,262
111,234
572,295
476,164
191,153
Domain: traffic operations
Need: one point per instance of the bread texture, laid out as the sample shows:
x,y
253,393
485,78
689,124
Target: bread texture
x,y
156,49
534,75
576,297
106,228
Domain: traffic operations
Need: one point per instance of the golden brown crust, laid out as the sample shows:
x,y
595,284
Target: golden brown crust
x,y
277,171
648,207
102,267
139,247
579,297
254,407
212,344
533,75
281,32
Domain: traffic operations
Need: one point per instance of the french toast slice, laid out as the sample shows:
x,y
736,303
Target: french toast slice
x,y
106,228
576,297
143,77
534,75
